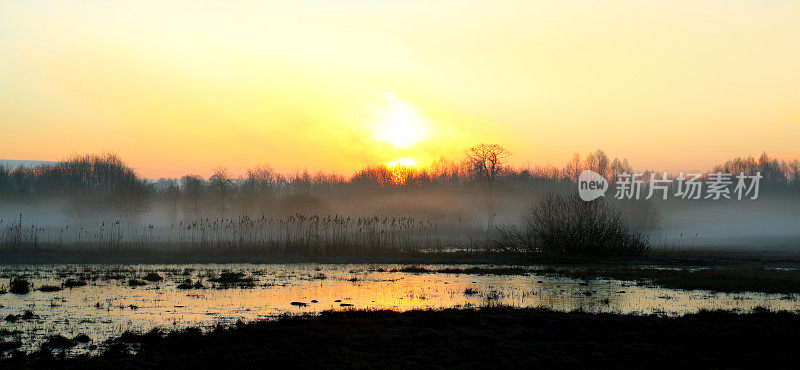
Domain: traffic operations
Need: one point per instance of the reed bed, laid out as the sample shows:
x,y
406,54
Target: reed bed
x,y
330,234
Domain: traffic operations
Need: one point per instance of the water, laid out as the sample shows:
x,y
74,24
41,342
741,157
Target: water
x,y
109,306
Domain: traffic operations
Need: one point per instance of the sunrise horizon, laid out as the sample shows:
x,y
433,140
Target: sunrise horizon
x,y
412,184
298,86
402,161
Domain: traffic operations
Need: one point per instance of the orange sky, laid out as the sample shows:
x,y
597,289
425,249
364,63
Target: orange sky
x,y
187,86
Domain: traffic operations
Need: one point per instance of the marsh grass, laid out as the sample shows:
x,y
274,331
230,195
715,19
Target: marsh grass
x,y
476,270
733,278
136,282
72,283
9,345
49,288
58,341
18,285
297,233
189,284
28,315
152,277
230,279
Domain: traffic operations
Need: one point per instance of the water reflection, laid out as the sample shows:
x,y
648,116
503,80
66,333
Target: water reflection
x,y
108,305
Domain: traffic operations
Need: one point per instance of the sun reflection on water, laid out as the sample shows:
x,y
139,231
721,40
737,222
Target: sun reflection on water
x,y
109,306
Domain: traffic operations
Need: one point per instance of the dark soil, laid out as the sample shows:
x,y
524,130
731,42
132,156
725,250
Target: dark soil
x,y
489,337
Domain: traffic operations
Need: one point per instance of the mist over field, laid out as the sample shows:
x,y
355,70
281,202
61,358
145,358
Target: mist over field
x,y
99,201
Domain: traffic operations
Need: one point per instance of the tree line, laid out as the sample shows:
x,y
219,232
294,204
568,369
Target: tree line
x,y
107,185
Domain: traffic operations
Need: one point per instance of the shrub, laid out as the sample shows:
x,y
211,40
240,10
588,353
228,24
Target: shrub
x,y
565,224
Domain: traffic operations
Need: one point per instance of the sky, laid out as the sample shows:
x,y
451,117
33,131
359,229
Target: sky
x,y
177,87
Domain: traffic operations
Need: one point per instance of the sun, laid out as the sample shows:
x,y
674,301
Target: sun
x,y
402,169
399,123
402,162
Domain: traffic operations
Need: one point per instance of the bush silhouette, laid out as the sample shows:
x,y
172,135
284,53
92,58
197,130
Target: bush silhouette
x,y
565,224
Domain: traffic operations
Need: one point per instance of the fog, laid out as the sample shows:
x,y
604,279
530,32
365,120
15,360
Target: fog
x,y
770,223
98,202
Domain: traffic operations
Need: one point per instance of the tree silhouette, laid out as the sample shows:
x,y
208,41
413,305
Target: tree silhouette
x,y
487,162
221,186
193,194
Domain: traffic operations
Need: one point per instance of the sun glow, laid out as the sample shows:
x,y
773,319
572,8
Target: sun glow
x,y
399,123
401,162
402,169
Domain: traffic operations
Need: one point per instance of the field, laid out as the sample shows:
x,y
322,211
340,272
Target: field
x,y
488,337
74,310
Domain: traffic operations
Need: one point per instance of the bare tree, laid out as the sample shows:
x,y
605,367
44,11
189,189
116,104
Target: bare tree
x,y
259,189
598,162
619,167
573,168
171,197
486,163
193,193
221,185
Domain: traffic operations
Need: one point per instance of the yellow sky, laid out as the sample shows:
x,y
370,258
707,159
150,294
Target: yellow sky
x,y
184,86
